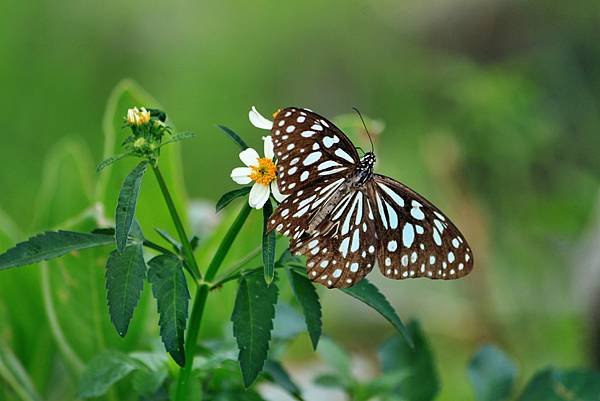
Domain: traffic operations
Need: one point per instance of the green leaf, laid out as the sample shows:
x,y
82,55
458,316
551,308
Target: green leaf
x,y
231,196
287,258
307,297
370,295
563,385
252,323
103,371
492,374
329,380
125,276
107,162
421,382
268,244
172,297
167,237
48,245
278,375
146,382
235,137
127,203
179,137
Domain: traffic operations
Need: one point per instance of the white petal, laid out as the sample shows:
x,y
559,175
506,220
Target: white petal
x,y
241,175
258,120
268,142
279,197
249,157
259,194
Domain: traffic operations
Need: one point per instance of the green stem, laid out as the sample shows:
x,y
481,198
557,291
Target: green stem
x,y
200,302
188,253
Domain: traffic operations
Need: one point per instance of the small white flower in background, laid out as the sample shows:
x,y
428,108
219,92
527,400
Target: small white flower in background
x,y
261,170
137,116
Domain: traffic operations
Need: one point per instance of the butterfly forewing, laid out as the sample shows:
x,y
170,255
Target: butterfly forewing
x,y
309,149
415,238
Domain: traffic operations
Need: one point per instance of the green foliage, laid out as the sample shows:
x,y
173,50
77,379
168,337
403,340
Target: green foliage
x,y
420,378
110,160
276,373
268,244
370,295
231,196
127,203
49,245
125,276
103,371
234,137
172,297
563,385
252,323
492,374
307,297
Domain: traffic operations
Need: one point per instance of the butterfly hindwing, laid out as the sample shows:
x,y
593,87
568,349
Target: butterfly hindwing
x,y
415,238
342,248
309,149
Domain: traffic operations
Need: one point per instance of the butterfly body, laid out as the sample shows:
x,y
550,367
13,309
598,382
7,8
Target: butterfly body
x,y
344,218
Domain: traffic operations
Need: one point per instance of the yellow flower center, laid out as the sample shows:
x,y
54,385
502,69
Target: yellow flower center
x,y
277,112
265,172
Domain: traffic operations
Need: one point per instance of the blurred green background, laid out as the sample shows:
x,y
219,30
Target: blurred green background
x,y
491,110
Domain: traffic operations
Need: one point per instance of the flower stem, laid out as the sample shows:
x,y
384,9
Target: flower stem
x,y
188,253
200,302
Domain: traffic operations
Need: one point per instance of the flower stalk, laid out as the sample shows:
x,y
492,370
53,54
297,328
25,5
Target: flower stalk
x,y
200,302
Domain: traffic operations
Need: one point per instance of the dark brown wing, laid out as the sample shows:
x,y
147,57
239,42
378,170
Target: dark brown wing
x,y
415,238
342,248
309,150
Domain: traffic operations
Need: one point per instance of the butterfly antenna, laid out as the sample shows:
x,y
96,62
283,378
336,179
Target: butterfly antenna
x,y
365,125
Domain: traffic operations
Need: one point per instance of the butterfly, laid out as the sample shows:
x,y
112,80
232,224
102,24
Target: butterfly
x,y
344,218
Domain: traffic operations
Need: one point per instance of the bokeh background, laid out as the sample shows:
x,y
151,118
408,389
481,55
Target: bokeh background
x,y
491,110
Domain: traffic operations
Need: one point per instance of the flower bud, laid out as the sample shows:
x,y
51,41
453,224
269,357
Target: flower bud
x,y
137,116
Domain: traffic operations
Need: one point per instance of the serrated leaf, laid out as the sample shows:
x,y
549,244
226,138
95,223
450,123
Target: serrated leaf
x,y
492,374
230,196
307,297
278,375
370,295
50,244
421,382
127,204
172,297
110,160
103,371
235,137
252,319
179,137
563,385
125,276
268,244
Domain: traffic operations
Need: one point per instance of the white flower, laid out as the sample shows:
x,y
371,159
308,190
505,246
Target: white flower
x,y
137,116
261,170
258,120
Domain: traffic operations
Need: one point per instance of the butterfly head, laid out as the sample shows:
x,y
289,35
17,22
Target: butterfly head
x,y
364,170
